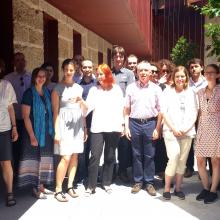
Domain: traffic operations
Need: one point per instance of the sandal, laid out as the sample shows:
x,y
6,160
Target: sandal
x,y
59,196
10,199
72,192
38,194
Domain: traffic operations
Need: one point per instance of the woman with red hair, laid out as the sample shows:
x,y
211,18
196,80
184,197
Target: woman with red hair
x,y
106,102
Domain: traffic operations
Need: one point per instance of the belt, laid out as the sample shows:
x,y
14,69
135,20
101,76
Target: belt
x,y
144,120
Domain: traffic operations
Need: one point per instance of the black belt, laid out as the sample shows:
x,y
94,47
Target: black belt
x,y
144,120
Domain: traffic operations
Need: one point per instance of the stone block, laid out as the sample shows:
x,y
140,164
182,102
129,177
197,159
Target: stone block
x,y
36,37
65,31
27,15
92,40
63,48
21,33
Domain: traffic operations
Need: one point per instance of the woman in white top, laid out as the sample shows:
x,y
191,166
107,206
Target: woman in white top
x,y
68,108
8,133
106,102
179,111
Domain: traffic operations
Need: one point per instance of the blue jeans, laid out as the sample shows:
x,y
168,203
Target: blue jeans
x,y
143,151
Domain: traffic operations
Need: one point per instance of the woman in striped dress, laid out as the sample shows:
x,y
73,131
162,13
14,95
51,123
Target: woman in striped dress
x,y
36,164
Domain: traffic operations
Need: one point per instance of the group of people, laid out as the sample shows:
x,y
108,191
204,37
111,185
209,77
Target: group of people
x,y
152,113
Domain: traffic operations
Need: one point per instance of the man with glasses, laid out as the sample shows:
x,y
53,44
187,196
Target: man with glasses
x,y
20,80
123,78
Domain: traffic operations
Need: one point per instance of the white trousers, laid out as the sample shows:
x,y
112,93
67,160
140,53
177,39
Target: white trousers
x,y
177,153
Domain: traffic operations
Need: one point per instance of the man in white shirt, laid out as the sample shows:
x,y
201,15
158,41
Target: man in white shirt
x,y
197,81
20,80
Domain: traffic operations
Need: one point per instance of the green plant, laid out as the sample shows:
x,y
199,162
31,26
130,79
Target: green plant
x,y
183,52
212,10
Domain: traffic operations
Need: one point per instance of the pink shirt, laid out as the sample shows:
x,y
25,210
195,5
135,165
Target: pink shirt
x,y
144,102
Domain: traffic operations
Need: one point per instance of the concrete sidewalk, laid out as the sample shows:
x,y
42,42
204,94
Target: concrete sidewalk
x,y
121,204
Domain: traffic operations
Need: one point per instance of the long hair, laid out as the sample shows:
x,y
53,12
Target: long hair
x,y
109,80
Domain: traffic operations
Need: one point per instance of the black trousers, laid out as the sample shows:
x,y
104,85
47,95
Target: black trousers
x,y
108,141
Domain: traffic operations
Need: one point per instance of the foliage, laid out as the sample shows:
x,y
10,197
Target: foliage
x,y
183,52
212,10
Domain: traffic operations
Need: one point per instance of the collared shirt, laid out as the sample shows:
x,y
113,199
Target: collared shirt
x,y
144,101
123,78
196,86
20,83
87,86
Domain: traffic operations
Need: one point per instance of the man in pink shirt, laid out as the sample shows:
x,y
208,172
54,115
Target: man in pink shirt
x,y
142,126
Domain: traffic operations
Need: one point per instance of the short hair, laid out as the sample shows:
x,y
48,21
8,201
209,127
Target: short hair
x,y
132,55
2,68
118,49
78,59
46,64
18,54
143,62
177,69
35,74
67,62
109,79
87,60
195,61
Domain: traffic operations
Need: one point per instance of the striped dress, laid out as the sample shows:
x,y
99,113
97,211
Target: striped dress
x,y
36,164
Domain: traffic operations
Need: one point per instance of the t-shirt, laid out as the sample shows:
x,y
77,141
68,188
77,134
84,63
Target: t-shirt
x,y
7,97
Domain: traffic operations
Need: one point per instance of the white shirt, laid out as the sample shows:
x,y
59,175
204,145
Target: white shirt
x,y
181,109
20,83
7,97
107,107
196,86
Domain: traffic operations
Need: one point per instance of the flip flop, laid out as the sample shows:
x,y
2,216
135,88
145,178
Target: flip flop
x,y
59,196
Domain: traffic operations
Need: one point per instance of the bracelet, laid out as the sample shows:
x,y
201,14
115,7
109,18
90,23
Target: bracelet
x,y
14,126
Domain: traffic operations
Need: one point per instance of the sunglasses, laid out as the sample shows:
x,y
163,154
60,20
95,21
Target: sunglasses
x,y
21,81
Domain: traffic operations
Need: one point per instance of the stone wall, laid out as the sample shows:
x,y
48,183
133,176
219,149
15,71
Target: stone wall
x,y
209,60
28,33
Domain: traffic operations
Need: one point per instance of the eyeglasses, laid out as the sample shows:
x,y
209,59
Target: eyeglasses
x,y
21,81
155,71
165,71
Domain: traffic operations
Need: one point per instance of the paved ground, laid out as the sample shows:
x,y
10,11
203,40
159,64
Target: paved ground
x,y
121,204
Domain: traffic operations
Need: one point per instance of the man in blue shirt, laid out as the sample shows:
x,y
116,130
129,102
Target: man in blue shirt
x,y
123,78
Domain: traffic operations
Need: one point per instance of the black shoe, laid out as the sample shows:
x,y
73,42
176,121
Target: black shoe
x,y
179,194
188,173
210,198
202,195
123,176
167,195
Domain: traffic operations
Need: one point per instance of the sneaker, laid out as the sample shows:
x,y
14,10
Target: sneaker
x,y
179,194
210,197
136,188
167,195
151,190
202,195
